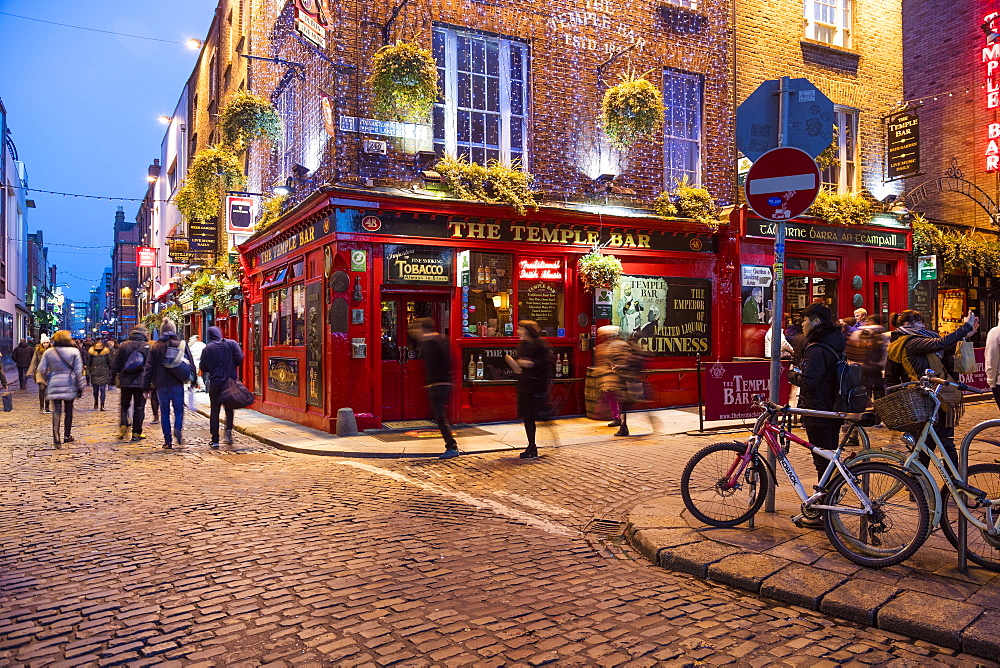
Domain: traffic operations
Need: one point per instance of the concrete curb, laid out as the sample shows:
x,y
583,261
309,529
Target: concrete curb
x,y
673,545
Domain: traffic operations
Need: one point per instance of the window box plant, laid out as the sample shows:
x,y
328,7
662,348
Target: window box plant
x,y
688,201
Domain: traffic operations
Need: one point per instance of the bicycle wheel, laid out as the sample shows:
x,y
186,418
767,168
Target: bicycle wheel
x,y
982,548
897,525
704,490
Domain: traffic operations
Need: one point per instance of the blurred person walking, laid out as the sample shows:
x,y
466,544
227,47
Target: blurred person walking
x,y
169,367
197,347
99,372
22,356
43,345
533,363
62,369
611,353
438,374
218,363
128,366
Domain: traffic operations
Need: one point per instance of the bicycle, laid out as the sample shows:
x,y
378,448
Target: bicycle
x,y
918,408
873,513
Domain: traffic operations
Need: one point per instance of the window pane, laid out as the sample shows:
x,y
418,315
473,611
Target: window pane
x,y
490,305
493,130
390,348
463,127
516,101
478,92
493,59
827,266
299,331
462,48
515,63
478,130
464,90
516,133
682,127
883,268
797,264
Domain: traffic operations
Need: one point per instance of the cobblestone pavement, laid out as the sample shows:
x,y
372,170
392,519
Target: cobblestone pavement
x,y
125,554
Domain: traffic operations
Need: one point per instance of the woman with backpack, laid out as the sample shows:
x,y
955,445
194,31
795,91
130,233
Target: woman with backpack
x,y
99,371
62,369
169,366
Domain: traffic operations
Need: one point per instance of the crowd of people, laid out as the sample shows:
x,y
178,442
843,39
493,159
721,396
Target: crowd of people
x,y
140,369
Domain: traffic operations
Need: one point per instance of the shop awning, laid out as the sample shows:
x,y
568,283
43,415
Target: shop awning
x,y
276,278
164,292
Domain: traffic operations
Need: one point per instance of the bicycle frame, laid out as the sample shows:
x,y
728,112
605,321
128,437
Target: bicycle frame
x,y
767,430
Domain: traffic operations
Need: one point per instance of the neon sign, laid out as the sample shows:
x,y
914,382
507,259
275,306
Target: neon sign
x,y
543,270
991,58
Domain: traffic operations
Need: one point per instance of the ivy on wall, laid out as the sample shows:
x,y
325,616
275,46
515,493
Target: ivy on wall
x,y
959,252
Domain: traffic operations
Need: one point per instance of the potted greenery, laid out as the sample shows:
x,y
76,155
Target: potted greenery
x,y
495,182
247,117
598,270
631,110
213,172
847,209
688,201
403,82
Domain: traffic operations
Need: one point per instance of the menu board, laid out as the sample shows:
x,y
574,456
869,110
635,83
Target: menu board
x,y
489,364
540,301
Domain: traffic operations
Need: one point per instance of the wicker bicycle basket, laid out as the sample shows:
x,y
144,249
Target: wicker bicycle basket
x,y
905,410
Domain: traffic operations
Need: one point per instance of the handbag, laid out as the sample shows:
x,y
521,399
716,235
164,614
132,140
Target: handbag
x,y
234,394
8,401
965,358
174,363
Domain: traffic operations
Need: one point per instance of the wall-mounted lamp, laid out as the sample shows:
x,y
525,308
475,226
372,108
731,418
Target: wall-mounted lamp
x,y
988,31
165,120
605,185
194,43
424,158
430,176
894,204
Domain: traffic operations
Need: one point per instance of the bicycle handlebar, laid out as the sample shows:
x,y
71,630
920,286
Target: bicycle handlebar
x,y
938,381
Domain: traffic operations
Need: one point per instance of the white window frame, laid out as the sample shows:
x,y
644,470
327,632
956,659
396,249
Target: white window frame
x,y
449,86
829,21
843,177
288,110
672,172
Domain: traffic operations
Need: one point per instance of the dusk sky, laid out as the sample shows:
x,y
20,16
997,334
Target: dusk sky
x,y
82,108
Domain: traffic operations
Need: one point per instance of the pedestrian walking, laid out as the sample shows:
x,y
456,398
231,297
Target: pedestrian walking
x,y
197,347
169,367
866,346
438,376
22,356
128,366
816,378
62,369
611,355
912,350
533,364
36,359
99,372
219,361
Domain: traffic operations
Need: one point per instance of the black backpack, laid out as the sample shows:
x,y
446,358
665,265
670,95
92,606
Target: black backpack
x,y
136,360
852,395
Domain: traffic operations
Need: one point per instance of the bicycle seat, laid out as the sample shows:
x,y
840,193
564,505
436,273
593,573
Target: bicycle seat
x,y
866,419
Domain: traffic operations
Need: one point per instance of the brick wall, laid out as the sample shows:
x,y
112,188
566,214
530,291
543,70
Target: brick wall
x,y
944,70
867,77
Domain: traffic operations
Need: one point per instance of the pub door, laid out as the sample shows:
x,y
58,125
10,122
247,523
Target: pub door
x,y
403,394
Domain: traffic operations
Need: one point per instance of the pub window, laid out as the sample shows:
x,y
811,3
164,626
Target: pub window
x,y
540,293
682,129
829,21
486,307
484,112
288,139
806,285
840,177
883,268
286,308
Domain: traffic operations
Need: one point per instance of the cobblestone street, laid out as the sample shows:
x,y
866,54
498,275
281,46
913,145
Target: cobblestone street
x,y
127,554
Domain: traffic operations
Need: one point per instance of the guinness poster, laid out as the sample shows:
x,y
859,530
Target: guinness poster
x,y
672,315
283,375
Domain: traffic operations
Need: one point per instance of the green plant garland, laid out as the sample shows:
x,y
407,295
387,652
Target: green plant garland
x,y
631,110
688,201
598,270
403,82
495,182
247,117
213,172
849,209
959,252
270,210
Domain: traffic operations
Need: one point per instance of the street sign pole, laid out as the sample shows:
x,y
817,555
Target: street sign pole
x,y
778,307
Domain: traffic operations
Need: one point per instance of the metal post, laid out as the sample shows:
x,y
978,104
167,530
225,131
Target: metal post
x,y
777,306
701,397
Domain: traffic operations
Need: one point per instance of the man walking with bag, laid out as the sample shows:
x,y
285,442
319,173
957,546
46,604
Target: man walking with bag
x,y
219,363
169,366
127,367
22,357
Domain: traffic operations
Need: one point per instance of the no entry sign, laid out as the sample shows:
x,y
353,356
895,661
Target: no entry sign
x,y
782,184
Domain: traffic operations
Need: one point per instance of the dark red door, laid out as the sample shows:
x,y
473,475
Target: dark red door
x,y
403,393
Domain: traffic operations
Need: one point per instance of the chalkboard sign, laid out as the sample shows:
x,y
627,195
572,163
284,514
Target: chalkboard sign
x,y
494,367
541,301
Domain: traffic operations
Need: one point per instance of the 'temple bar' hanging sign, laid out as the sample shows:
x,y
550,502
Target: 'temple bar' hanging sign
x,y
903,145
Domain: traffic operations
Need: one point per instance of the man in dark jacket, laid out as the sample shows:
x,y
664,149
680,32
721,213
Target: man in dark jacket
x,y
169,379
130,383
816,377
22,360
437,373
219,362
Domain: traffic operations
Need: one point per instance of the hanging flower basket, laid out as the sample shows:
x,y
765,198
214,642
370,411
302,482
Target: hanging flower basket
x,y
599,271
403,82
213,172
247,117
631,110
